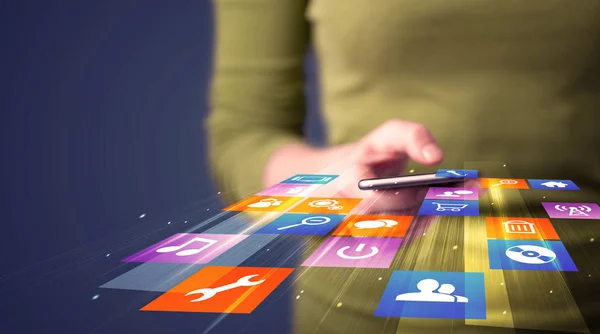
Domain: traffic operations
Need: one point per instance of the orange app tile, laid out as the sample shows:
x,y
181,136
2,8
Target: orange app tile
x,y
224,289
326,205
506,183
374,226
264,203
520,228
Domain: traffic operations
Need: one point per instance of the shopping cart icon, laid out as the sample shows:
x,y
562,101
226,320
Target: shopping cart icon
x,y
454,207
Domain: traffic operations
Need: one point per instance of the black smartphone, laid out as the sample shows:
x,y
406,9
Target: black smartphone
x,y
414,180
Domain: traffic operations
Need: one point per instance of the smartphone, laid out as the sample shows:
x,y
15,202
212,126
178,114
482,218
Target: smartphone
x,y
404,181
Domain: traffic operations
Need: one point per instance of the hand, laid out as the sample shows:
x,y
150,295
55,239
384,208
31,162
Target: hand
x,y
384,152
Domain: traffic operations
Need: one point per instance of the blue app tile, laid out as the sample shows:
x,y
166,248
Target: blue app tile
x,y
310,179
449,208
553,184
302,223
426,294
529,255
457,173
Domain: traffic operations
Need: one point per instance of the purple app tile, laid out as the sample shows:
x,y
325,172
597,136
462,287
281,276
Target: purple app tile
x,y
471,194
572,210
188,248
288,189
355,252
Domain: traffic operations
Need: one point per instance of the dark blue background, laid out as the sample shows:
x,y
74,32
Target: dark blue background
x,y
102,113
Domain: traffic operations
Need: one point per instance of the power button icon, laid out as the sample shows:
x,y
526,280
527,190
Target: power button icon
x,y
342,252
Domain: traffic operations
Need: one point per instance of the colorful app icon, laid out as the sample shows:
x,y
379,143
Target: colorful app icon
x,y
507,183
468,194
553,184
425,294
457,173
326,205
188,248
310,179
449,208
520,228
355,253
302,223
264,203
221,290
529,255
572,210
289,189
374,226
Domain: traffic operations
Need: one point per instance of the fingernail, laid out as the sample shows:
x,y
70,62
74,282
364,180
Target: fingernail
x,y
431,152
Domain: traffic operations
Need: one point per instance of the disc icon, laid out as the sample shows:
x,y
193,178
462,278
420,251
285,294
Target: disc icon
x,y
530,254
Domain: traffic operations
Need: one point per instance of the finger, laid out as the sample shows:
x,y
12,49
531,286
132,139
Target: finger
x,y
397,138
389,168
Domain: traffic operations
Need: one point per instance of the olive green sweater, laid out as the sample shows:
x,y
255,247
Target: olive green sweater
x,y
512,81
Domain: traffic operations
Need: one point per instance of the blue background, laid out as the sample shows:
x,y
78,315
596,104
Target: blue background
x,y
470,173
470,285
103,104
499,260
429,209
537,184
288,219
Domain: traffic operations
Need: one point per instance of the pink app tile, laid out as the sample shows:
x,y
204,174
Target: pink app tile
x,y
355,252
288,189
188,248
569,210
471,194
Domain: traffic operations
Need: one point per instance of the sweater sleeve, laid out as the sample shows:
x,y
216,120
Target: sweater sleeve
x,y
257,92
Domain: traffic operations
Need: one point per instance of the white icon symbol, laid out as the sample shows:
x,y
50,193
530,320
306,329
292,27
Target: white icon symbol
x,y
503,182
375,223
340,252
187,252
330,204
295,190
426,293
552,184
266,203
455,193
318,220
208,293
519,226
530,254
453,172
312,178
454,207
574,210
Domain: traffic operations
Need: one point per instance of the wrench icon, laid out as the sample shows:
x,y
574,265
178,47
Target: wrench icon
x,y
208,293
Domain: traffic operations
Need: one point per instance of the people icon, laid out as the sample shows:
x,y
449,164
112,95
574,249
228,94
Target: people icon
x,y
426,293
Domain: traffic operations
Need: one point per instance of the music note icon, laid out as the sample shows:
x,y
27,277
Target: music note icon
x,y
190,251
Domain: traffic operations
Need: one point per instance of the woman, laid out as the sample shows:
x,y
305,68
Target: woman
x,y
407,84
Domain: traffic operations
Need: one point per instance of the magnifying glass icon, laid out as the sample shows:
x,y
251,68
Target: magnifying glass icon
x,y
316,220
501,182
